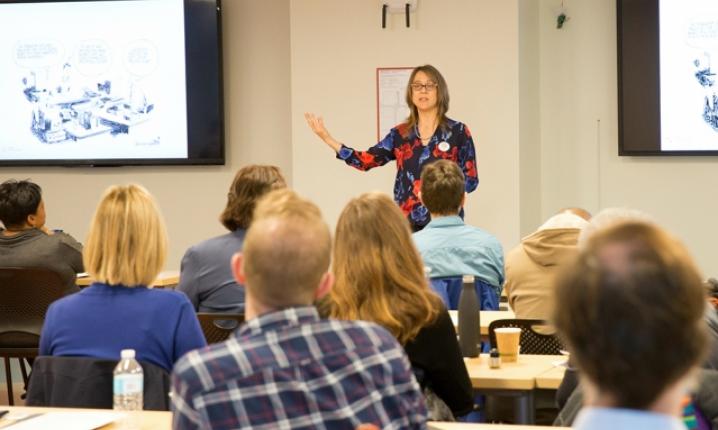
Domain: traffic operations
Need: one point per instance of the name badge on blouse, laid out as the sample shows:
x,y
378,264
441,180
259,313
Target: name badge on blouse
x,y
444,146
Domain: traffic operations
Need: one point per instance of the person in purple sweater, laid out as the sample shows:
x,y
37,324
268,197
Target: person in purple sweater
x,y
125,251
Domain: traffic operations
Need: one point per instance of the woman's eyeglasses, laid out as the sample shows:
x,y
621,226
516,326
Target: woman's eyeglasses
x,y
429,86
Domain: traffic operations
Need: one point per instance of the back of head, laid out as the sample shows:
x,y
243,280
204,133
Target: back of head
x,y
442,187
579,212
631,310
609,217
127,243
18,200
379,272
249,185
286,250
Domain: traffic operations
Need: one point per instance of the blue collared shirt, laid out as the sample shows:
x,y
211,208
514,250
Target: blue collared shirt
x,y
291,369
625,419
449,247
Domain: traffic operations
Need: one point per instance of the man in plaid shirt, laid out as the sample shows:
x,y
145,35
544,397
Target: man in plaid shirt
x,y
286,368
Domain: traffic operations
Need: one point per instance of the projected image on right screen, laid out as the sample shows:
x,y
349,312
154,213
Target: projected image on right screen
x,y
689,75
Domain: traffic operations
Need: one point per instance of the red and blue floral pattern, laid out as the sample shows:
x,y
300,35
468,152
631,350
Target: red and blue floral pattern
x,y
403,145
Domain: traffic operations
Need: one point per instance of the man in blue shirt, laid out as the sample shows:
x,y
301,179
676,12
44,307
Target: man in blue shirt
x,y
631,311
286,367
448,246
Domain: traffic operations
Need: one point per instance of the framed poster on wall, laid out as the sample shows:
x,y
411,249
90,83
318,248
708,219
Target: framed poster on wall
x,y
391,108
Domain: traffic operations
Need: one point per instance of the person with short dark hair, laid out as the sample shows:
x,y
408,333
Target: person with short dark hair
x,y
447,244
27,242
205,273
631,313
286,367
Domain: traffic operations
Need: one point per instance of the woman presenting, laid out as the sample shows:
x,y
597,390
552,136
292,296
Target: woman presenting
x,y
427,135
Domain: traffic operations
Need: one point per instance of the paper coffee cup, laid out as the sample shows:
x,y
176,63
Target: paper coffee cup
x,y
507,341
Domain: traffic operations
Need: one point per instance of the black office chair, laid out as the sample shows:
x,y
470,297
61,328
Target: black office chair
x,y
531,341
86,382
218,327
26,294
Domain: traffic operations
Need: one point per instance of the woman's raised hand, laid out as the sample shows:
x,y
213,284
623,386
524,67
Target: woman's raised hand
x,y
316,123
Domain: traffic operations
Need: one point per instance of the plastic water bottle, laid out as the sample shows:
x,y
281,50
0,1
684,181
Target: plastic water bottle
x,y
128,383
469,327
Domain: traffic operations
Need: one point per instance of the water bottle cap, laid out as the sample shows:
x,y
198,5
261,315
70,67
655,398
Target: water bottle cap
x,y
127,353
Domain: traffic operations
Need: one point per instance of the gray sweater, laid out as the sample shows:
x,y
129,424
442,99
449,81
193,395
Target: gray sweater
x,y
59,252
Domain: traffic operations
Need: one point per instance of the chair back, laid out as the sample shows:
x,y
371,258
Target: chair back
x,y
86,382
531,341
218,327
449,289
26,294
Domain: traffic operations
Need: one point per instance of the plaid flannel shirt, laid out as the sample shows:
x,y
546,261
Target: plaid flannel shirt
x,y
291,370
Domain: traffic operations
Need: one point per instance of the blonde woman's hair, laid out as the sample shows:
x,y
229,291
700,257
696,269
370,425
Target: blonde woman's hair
x,y
127,242
379,273
286,251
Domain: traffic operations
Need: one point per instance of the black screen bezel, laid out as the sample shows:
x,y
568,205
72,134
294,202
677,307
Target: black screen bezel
x,y
639,83
204,89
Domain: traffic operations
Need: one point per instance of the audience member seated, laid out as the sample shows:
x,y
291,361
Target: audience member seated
x,y
712,321
27,242
380,278
610,217
205,273
125,251
287,367
631,311
448,246
532,266
613,216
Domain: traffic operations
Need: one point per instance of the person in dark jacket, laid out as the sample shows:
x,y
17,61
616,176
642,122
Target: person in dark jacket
x,y
27,242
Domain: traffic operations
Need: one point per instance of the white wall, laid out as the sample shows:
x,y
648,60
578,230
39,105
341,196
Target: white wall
x,y
529,117
337,46
257,112
541,103
580,162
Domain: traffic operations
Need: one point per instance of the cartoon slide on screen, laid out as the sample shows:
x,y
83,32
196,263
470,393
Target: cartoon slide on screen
x,y
86,92
703,36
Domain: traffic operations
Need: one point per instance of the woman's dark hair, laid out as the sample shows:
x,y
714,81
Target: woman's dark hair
x,y
18,200
250,183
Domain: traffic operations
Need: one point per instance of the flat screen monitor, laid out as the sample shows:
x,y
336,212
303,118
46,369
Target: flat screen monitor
x,y
667,75
111,82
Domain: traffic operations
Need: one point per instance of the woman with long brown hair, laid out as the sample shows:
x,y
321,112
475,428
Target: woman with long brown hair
x,y
380,278
205,273
425,136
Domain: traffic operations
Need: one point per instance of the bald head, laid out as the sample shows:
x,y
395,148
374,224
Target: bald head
x,y
286,251
610,217
579,212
